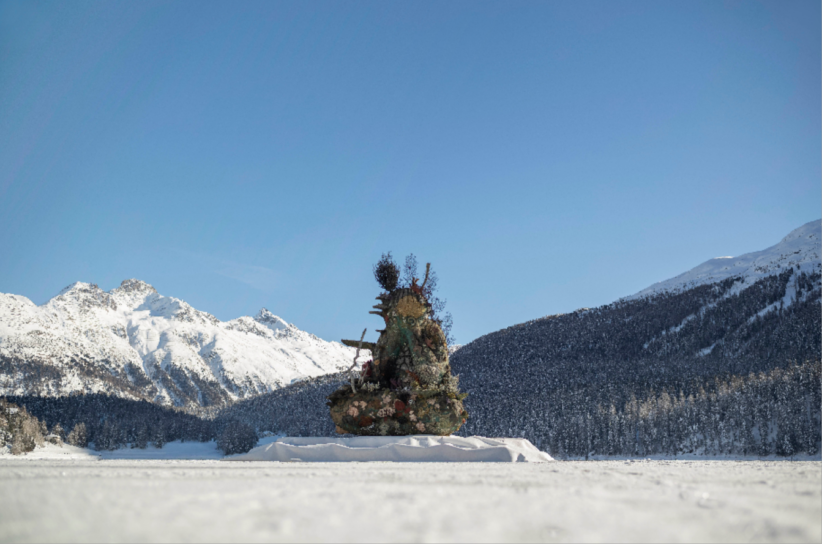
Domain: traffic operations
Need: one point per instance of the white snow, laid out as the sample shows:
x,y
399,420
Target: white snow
x,y
135,324
171,450
49,451
418,448
801,249
593,501
176,450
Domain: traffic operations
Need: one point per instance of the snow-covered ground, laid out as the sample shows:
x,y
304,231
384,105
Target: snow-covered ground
x,y
175,450
638,501
401,449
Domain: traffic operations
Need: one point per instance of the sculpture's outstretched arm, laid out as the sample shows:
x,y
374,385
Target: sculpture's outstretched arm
x,y
427,270
354,364
360,344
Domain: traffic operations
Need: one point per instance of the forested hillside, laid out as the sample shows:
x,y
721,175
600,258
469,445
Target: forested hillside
x,y
296,410
709,370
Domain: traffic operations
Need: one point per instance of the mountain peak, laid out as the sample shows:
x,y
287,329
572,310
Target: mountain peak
x,y
136,286
270,320
811,230
801,248
134,342
79,286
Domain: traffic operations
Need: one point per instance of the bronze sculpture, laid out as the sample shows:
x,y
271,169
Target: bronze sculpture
x,y
407,387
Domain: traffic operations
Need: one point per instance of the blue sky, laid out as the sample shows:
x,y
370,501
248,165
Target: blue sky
x,y
544,156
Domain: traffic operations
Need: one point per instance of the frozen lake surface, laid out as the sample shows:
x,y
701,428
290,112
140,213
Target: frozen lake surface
x,y
88,500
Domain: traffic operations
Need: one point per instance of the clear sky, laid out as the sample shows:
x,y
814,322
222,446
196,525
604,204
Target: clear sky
x,y
544,156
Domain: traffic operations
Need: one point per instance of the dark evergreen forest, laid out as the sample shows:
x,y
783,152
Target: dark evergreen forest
x,y
113,422
702,371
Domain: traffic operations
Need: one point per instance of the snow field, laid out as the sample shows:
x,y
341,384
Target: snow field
x,y
594,501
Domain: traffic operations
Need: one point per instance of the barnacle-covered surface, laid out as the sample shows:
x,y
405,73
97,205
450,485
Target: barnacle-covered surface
x,y
407,388
386,412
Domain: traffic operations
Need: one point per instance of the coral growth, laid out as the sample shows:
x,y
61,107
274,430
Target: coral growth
x,y
407,388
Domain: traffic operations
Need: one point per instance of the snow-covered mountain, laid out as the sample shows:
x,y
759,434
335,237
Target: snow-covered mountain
x,y
801,250
132,341
694,363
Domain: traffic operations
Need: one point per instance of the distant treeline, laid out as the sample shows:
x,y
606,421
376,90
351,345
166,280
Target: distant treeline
x,y
761,414
107,423
113,422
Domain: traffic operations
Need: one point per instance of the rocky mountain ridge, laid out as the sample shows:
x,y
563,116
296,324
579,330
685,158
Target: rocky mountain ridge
x,y
133,342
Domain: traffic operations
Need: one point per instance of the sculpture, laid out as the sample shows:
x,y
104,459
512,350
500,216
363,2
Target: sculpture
x,y
407,387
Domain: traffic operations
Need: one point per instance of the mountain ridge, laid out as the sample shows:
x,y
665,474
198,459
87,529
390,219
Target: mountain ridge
x,y
133,341
801,248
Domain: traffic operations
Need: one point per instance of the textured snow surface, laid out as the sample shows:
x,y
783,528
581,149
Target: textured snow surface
x,y
422,448
160,345
175,450
594,501
801,248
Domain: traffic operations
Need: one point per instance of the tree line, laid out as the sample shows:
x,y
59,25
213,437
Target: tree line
x,y
109,423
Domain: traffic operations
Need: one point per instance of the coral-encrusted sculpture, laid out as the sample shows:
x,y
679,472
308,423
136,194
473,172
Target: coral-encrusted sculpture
x,y
407,388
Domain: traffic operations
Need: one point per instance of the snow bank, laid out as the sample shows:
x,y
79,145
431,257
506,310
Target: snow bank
x,y
171,450
51,452
417,448
176,450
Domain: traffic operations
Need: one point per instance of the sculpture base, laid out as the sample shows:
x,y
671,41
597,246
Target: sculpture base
x,y
414,448
391,413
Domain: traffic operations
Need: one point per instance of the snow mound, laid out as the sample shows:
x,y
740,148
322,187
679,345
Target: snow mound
x,y
801,248
417,448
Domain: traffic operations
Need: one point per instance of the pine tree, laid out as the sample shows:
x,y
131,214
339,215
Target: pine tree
x,y
237,437
78,436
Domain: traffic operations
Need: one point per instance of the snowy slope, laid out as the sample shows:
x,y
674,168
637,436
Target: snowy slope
x,y
132,341
801,249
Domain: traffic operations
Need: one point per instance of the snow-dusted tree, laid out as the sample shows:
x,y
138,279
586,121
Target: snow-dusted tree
x,y
78,436
107,437
26,433
141,438
236,437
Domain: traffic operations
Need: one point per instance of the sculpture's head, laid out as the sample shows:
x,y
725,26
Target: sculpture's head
x,y
405,304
